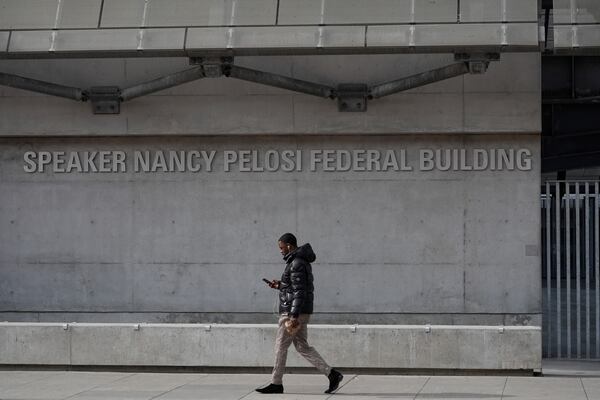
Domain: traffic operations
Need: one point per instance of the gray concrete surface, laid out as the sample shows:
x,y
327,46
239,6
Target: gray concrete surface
x,y
584,385
245,345
441,244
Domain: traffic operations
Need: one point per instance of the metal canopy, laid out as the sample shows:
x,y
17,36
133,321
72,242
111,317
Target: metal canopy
x,y
352,97
576,26
191,28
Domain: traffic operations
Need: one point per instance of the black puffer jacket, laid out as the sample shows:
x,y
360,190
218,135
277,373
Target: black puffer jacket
x,y
296,287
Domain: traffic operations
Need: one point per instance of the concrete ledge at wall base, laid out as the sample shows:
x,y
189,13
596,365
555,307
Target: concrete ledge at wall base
x,y
448,347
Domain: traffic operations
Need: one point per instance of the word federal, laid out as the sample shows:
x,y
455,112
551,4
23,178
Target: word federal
x,y
314,160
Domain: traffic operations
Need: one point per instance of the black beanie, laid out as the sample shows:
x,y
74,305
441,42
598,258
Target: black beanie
x,y
288,238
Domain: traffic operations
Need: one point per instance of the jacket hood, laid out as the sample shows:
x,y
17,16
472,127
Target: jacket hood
x,y
304,252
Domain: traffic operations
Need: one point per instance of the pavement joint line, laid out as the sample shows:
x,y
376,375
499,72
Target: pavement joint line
x,y
251,391
422,387
247,394
36,380
170,390
338,389
583,387
503,388
98,385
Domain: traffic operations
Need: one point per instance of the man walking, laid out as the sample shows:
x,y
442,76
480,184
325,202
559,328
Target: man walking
x,y
295,306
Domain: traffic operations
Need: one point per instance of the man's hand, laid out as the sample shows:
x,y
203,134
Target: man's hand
x,y
274,284
291,325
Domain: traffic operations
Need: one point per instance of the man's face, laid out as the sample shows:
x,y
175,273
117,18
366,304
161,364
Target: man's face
x,y
284,248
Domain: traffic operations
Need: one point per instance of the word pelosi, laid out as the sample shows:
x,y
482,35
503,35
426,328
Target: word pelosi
x,y
358,160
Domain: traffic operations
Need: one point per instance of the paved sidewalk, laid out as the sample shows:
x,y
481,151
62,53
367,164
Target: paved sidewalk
x,y
562,381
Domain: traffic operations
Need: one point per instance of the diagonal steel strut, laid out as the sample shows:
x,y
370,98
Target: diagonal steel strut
x,y
34,85
165,82
422,79
280,81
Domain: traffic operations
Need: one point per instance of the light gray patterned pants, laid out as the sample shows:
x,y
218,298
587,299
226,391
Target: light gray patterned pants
x,y
282,343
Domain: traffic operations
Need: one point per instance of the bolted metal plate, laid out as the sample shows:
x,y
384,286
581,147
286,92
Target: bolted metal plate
x,y
352,97
478,63
212,66
105,99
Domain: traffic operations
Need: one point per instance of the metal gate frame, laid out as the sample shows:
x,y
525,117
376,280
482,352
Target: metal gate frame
x,y
571,249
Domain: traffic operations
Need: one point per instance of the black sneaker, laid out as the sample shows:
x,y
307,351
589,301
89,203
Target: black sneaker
x,y
335,377
272,388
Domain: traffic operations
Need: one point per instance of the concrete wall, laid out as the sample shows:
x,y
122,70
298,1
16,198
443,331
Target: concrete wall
x,y
418,246
408,247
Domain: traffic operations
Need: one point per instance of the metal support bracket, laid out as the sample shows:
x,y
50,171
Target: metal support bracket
x,y
477,63
352,97
213,67
105,99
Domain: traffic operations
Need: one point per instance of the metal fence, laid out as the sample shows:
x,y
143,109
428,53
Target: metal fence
x,y
570,269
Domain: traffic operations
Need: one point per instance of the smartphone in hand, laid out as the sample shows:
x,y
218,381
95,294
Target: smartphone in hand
x,y
272,284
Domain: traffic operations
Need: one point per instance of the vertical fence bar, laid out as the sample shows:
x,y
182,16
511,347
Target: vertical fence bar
x,y
587,270
577,268
557,238
548,270
568,262
597,256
